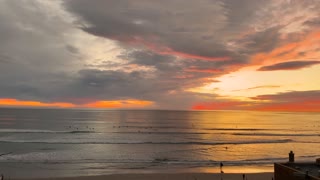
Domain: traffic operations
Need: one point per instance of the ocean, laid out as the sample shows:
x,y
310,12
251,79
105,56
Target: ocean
x,y
82,142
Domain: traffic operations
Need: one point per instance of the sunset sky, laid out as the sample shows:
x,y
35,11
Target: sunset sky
x,y
161,54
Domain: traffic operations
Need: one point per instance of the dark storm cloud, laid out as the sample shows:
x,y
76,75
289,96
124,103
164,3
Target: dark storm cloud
x,y
114,85
171,24
291,65
177,25
32,49
148,58
108,84
198,28
241,14
72,49
180,73
165,81
32,85
263,41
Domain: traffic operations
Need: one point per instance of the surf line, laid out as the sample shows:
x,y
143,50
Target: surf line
x,y
5,154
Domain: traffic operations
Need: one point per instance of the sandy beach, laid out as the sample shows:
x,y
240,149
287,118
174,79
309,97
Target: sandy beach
x,y
181,176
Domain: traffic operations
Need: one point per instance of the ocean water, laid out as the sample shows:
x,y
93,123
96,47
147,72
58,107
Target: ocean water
x,y
60,142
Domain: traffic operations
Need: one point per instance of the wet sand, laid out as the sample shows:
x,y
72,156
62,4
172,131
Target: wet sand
x,y
181,176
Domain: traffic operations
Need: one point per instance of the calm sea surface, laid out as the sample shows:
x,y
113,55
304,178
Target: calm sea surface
x,y
52,143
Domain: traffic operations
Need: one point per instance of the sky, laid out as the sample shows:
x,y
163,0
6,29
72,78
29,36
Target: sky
x,y
171,54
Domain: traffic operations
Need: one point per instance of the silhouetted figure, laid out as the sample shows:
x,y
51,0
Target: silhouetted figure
x,y
2,177
243,176
221,165
221,171
291,157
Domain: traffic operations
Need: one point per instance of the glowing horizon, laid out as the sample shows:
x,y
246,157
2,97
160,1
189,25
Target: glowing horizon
x,y
130,103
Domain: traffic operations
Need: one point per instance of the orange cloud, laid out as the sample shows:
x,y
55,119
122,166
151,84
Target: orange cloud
x,y
227,105
304,106
15,102
290,101
131,103
306,48
296,101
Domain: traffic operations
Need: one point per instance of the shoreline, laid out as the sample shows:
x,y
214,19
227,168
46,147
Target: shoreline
x,y
111,173
168,176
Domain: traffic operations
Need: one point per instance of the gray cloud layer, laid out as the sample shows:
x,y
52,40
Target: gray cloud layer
x,y
166,47
33,51
291,96
174,24
292,65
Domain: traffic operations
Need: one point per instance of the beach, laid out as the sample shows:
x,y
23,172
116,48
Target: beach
x,y
171,176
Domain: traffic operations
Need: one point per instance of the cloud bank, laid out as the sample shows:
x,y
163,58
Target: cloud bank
x,y
292,65
89,52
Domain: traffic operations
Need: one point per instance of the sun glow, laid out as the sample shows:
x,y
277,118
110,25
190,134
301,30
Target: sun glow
x,y
249,83
15,102
129,103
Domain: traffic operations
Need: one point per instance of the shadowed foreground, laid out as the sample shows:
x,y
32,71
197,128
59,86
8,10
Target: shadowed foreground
x,y
182,176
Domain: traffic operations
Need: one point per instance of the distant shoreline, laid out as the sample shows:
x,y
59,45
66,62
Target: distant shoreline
x,y
169,176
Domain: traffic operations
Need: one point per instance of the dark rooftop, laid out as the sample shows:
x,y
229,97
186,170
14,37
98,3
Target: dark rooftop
x,y
313,169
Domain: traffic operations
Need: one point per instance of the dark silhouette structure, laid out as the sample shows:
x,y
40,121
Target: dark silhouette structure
x,y
292,170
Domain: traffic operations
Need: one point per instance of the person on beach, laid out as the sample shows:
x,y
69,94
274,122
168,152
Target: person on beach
x,y
221,165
